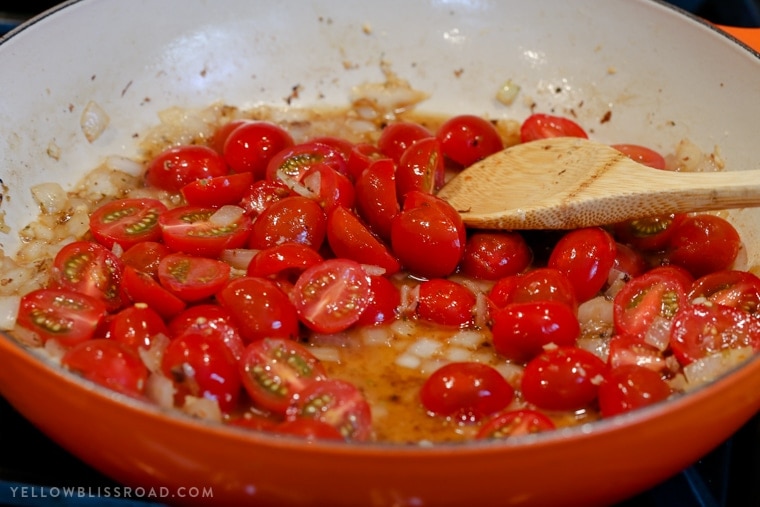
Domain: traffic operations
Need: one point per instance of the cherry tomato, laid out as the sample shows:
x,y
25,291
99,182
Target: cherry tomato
x,y
337,403
261,195
515,423
192,278
629,387
177,166
142,288
330,187
629,263
331,296
223,132
428,238
677,272
384,301
276,371
289,165
703,329
376,200
136,326
543,126
348,237
703,244
254,421
294,219
145,257
259,308
344,146
109,363
445,302
466,391
66,316
88,268
740,289
309,429
540,284
586,257
126,222
522,330
361,157
466,138
649,234
625,349
420,168
218,191
647,304
212,320
495,255
252,144
194,230
202,366
287,259
396,137
562,378
642,155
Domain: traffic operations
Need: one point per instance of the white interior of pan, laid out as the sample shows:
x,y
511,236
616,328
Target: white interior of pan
x,y
657,74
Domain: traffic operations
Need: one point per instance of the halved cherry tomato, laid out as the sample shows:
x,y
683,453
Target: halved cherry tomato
x,y
109,363
287,259
89,268
276,371
420,168
704,243
563,378
294,219
649,234
192,278
288,166
543,126
361,157
629,387
467,391
337,403
647,304
625,349
384,301
201,365
330,187
260,308
629,263
261,195
445,302
142,288
193,230
127,222
217,191
376,200
309,429
67,316
344,146
136,326
348,237
467,138
145,256
703,329
522,330
250,146
515,423
540,284
212,320
642,155
586,257
331,296
495,255
396,137
177,166
740,289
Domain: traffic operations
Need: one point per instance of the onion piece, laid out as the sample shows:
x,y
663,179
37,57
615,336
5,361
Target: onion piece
x,y
51,197
238,258
94,121
327,354
9,311
226,215
160,390
203,408
709,368
125,165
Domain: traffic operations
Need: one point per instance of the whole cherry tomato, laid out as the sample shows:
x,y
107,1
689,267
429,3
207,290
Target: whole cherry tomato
x,y
136,326
396,137
586,257
466,139
642,155
384,300
252,144
177,166
629,387
704,243
445,302
495,255
209,319
294,219
542,126
514,423
109,363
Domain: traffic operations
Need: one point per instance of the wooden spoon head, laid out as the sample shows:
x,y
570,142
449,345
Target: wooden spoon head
x,y
556,183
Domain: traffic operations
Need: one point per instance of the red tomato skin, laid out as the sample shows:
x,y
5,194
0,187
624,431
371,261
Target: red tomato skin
x,y
335,189
126,222
308,429
703,244
562,378
145,257
202,366
136,326
66,316
420,168
644,300
642,155
177,166
522,330
260,309
650,234
445,302
396,137
540,284
109,363
192,278
294,219
467,391
286,259
223,132
252,144
208,319
627,349
275,371
349,238
188,229
290,165
515,423
740,289
629,387
629,263
466,139
586,257
361,157
495,255
219,191
384,301
543,126
261,195
142,288
376,200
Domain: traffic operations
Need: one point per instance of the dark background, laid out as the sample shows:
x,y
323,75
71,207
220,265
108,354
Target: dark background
x,y
729,476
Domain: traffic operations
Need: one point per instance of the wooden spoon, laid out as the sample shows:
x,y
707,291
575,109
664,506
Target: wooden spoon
x,y
566,182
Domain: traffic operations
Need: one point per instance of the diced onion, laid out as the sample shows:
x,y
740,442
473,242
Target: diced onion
x,y
467,338
226,215
597,346
408,361
203,408
8,311
51,197
54,349
238,258
151,357
125,165
598,309
457,354
424,347
376,335
94,121
708,368
160,389
658,334
508,93
328,354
